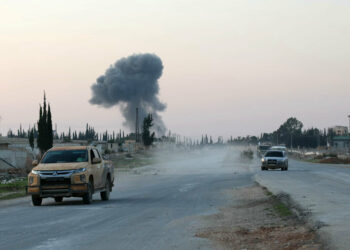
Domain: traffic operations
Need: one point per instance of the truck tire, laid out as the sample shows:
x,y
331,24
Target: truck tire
x,y
36,200
105,194
87,197
59,199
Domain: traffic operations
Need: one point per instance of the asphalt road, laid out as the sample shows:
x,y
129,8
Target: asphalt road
x,y
160,206
154,207
321,190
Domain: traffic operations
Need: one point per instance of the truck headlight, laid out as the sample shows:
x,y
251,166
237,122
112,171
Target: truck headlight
x,y
82,178
31,180
262,159
35,171
80,170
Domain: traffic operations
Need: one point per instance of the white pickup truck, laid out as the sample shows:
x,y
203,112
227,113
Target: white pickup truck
x,y
274,159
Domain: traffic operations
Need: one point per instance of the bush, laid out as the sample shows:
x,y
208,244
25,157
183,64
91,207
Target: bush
x,y
248,154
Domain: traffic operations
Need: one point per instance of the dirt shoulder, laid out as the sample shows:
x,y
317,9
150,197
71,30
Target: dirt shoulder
x,y
257,220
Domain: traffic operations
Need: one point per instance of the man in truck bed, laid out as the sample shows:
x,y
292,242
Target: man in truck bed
x,y
76,171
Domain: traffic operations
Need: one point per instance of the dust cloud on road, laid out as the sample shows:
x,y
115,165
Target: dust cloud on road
x,y
161,206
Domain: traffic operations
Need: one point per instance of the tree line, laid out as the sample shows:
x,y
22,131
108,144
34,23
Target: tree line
x,y
44,134
291,134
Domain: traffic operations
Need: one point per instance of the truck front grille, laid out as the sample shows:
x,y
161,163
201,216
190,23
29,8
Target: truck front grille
x,y
272,162
53,181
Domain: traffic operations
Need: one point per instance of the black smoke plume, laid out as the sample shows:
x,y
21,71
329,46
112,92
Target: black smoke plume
x,y
132,82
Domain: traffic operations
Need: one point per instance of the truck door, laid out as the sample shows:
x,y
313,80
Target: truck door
x,y
94,169
99,169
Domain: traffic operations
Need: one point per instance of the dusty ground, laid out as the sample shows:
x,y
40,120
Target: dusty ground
x,y
260,221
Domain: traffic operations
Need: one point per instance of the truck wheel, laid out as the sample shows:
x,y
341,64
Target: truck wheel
x,y
87,198
36,200
105,194
59,199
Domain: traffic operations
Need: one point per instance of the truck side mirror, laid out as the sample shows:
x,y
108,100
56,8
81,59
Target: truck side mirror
x,y
35,163
96,160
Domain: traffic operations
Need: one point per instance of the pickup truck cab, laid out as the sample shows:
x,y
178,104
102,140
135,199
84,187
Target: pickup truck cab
x,y
74,171
262,149
274,159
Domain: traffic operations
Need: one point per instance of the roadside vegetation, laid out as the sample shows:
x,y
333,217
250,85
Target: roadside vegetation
x,y
278,206
256,219
12,188
325,158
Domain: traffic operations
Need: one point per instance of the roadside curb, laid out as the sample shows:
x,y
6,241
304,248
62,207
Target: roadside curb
x,y
302,214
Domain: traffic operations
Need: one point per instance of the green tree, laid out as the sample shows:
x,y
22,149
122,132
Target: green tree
x,y
147,136
31,138
49,129
292,126
289,130
45,133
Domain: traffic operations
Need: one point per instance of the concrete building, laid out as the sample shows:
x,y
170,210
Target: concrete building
x,y
113,147
341,142
339,130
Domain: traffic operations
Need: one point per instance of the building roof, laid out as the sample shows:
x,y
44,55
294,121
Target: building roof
x,y
341,138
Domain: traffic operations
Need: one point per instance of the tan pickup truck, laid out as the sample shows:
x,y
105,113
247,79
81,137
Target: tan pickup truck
x,y
77,171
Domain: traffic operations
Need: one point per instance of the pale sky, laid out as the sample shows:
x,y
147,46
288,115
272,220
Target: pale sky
x,y
230,67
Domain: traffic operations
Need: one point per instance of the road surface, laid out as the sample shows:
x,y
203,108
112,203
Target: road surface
x,y
155,207
160,206
320,189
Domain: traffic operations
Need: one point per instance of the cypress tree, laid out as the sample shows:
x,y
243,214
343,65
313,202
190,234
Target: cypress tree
x,y
147,136
31,138
40,130
45,133
49,129
44,128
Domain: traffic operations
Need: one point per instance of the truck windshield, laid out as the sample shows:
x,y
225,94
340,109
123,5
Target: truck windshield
x,y
274,154
65,156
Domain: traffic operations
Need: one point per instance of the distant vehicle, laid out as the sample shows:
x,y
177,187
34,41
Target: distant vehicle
x,y
274,159
262,149
70,171
282,148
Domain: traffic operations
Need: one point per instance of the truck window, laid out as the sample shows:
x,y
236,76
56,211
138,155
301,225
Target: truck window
x,y
274,154
92,155
65,156
96,154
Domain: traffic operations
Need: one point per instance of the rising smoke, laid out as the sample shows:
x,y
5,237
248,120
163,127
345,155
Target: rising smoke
x,y
132,82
